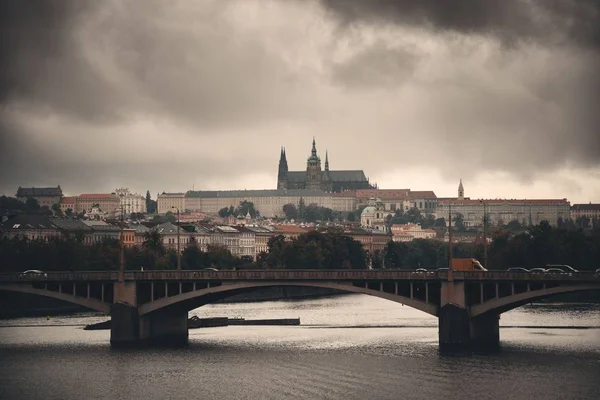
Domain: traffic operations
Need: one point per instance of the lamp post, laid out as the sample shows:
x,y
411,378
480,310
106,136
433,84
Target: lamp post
x,y
178,241
485,242
122,251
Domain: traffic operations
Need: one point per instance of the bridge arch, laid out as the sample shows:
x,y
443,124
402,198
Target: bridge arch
x,y
198,298
503,304
90,303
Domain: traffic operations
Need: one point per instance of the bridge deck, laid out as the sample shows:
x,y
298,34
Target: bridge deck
x,y
304,275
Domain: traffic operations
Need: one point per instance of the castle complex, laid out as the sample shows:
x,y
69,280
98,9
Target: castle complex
x,y
314,178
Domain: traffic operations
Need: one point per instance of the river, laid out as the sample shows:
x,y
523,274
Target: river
x,y
348,347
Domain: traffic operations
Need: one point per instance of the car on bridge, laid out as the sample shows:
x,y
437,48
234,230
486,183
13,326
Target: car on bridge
x,y
421,270
555,271
537,271
32,273
518,270
565,268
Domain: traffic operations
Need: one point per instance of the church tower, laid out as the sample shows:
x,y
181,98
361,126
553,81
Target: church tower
x,y
461,191
326,185
313,169
282,171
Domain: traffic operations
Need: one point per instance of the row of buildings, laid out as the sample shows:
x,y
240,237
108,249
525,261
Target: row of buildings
x,y
378,204
240,240
111,204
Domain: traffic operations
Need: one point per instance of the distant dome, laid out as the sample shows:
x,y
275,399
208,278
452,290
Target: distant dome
x,y
369,210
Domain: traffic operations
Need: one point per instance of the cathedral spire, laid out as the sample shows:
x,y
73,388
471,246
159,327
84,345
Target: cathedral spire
x,y
326,161
461,191
314,148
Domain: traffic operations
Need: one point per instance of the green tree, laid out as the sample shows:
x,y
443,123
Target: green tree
x,y
514,226
246,207
69,212
301,209
290,210
459,222
440,222
56,209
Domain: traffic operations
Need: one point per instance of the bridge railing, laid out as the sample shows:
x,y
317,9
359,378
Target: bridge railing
x,y
275,275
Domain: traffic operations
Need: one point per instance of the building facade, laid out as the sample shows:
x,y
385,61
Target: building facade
x,y
409,232
374,216
131,202
169,202
502,211
46,196
399,199
269,203
106,202
316,178
591,211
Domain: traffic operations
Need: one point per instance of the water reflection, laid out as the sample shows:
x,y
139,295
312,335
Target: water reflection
x,y
352,347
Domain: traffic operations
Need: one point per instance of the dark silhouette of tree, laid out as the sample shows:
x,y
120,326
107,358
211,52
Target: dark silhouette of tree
x,y
290,210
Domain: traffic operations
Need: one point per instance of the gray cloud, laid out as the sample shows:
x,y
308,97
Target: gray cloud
x,y
164,95
510,20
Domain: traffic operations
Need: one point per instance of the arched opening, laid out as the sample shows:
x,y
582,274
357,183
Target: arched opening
x,y
504,304
89,303
192,300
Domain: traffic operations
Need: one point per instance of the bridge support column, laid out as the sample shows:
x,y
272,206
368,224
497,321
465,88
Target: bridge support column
x,y
124,324
454,326
485,330
164,327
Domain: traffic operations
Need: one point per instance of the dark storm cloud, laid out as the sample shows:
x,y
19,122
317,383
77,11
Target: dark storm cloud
x,y
95,94
554,20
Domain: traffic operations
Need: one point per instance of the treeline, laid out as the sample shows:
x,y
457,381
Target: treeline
x,y
314,250
65,254
536,247
539,245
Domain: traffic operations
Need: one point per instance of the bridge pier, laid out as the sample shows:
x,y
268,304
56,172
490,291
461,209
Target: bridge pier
x,y
458,329
128,327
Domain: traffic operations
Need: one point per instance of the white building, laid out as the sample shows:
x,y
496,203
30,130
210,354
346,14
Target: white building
x,y
409,232
502,211
168,202
131,203
374,216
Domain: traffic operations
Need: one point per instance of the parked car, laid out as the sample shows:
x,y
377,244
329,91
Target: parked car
x,y
518,270
32,273
537,270
565,268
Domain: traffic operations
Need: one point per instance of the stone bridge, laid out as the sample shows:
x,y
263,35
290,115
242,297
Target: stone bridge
x,y
155,304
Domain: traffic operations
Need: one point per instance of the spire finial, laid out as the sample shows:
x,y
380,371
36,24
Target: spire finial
x,y
326,161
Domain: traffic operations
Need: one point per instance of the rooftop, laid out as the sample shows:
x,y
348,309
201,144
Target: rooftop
x,y
43,191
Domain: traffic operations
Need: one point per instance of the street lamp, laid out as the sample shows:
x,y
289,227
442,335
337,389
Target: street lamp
x,y
485,242
122,251
178,241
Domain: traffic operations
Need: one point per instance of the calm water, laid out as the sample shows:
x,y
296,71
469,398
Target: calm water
x,y
349,347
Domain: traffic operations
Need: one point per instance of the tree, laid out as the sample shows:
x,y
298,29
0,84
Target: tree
x,y
290,210
440,222
170,217
148,201
246,207
224,212
56,209
514,226
32,204
459,222
582,222
301,209
69,212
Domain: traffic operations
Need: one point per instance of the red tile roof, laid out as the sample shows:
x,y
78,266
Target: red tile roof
x,y
68,200
97,195
505,201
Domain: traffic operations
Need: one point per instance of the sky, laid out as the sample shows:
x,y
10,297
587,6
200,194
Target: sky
x,y
170,96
